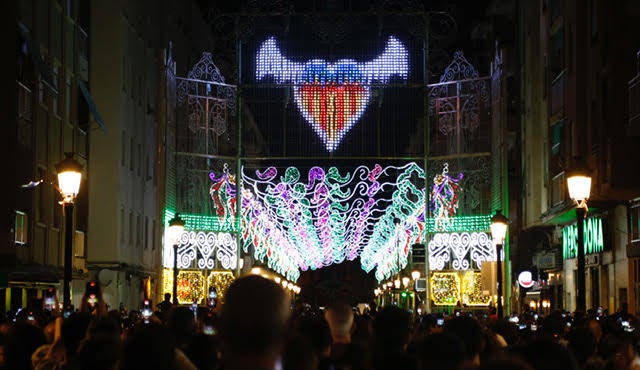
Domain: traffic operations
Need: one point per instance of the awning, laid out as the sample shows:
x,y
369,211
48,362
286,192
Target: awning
x,y
45,74
92,105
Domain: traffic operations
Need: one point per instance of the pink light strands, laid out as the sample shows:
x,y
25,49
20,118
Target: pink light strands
x,y
332,96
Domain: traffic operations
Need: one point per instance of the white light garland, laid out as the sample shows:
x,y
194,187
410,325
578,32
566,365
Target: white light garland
x,y
202,247
468,250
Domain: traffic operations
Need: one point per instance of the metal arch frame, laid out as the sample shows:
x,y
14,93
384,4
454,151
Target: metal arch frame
x,y
240,157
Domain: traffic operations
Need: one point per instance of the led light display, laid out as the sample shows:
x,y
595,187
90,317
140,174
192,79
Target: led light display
x,y
471,292
221,281
377,213
193,284
204,247
460,251
297,221
445,288
332,96
444,197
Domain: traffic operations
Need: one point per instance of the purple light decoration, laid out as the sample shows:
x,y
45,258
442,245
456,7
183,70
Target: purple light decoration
x,y
332,217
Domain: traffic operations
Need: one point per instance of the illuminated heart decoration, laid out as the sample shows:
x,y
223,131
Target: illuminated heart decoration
x,y
332,96
332,99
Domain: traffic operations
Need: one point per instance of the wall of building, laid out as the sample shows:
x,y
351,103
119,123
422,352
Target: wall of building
x,y
126,228
49,119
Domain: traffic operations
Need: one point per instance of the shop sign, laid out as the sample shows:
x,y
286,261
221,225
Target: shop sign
x,y
545,260
525,279
593,238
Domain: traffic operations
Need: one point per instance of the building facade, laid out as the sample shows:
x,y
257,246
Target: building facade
x,y
48,110
574,65
129,46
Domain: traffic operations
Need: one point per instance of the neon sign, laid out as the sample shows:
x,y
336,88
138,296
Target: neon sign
x,y
332,96
593,238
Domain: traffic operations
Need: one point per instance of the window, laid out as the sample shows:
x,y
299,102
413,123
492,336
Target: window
x,y
634,223
21,228
556,137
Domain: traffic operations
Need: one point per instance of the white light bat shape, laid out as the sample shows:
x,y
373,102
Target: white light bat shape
x,y
332,96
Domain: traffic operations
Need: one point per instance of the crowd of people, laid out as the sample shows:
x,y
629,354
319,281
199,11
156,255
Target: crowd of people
x,y
256,328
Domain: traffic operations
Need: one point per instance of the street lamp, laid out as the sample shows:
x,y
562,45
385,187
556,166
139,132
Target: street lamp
x,y
415,275
498,232
176,228
579,185
69,177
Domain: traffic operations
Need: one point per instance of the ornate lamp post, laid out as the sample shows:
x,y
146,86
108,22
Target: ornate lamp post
x,y
579,185
498,232
69,178
176,228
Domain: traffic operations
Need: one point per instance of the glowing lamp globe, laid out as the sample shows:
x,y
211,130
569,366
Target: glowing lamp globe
x,y
415,274
176,228
405,281
69,177
498,227
579,182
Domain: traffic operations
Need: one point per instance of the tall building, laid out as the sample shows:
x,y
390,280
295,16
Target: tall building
x,y
575,61
129,50
47,113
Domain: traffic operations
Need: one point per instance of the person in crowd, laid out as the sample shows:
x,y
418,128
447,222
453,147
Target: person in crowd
x,y
299,354
148,346
183,327
100,352
165,306
583,344
546,354
392,334
22,341
204,352
441,351
316,329
469,331
340,318
252,323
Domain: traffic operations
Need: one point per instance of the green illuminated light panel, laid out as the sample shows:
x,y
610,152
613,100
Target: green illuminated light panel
x,y
203,223
593,238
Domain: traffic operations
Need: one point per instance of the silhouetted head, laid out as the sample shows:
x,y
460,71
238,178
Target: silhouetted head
x,y
22,341
340,319
392,329
254,316
442,351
